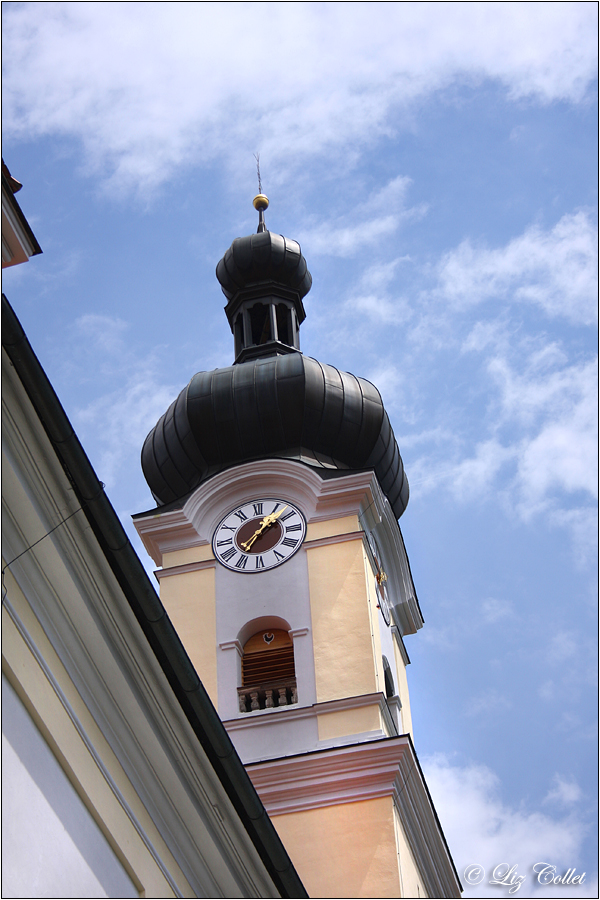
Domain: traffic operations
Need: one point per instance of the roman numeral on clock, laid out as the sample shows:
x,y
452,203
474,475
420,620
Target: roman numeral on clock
x,y
293,527
289,542
228,554
241,563
258,509
225,542
241,515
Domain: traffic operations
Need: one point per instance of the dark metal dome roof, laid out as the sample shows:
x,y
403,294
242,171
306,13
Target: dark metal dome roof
x,y
284,406
262,260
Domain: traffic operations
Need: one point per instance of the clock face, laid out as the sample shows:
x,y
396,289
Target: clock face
x,y
259,535
380,577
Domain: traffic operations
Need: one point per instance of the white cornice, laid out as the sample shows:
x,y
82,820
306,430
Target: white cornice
x,y
348,774
186,567
298,711
329,777
165,532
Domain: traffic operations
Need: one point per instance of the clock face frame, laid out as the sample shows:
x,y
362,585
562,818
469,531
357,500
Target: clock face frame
x,y
258,535
380,577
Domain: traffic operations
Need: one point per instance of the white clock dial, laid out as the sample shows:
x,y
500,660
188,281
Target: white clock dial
x,y
259,535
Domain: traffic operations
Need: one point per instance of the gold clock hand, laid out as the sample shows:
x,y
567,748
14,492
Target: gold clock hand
x,y
266,523
247,544
274,516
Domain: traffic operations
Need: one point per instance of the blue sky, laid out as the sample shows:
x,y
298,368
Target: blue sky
x,y
437,163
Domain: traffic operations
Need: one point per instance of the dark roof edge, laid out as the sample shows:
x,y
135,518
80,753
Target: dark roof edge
x,y
148,609
19,212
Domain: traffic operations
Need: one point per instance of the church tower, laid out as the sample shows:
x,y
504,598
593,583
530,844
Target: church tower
x,y
279,485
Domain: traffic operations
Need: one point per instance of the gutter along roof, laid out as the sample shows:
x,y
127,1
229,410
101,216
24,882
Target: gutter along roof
x,y
147,608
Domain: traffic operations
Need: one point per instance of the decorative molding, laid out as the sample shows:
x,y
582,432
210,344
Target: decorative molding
x,y
165,532
89,745
347,774
298,632
366,771
186,567
232,645
400,643
334,539
247,720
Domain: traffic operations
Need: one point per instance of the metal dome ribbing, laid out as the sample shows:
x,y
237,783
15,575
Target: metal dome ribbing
x,y
281,407
263,260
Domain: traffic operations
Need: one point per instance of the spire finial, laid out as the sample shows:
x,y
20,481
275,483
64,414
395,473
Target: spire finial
x,y
261,201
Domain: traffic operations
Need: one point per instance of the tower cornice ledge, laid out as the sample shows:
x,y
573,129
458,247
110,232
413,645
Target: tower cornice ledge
x,y
383,768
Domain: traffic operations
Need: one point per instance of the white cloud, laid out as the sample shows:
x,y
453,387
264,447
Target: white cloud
x,y
148,87
547,460
493,610
490,702
555,269
132,396
105,331
565,792
562,454
373,299
376,217
120,421
482,830
473,477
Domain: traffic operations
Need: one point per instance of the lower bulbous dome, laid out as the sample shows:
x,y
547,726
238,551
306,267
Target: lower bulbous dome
x,y
277,407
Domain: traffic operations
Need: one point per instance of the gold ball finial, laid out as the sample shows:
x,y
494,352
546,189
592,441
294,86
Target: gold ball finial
x,y
261,202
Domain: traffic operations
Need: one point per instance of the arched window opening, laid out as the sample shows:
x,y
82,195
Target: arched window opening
x,y
239,333
268,671
390,690
284,324
260,323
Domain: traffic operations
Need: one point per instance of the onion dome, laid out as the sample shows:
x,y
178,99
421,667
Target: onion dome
x,y
284,407
273,402
264,277
263,260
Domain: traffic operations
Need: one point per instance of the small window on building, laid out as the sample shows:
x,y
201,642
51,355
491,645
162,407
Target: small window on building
x,y
268,671
390,690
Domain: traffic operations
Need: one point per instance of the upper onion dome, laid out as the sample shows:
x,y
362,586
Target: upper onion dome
x,y
263,260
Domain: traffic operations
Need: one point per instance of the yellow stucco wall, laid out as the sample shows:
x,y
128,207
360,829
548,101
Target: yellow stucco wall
x,y
189,599
342,640
187,555
342,525
411,881
349,721
344,851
